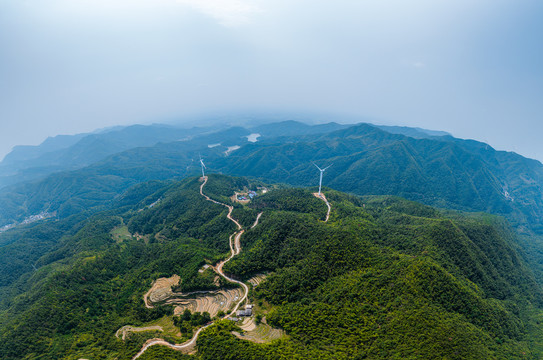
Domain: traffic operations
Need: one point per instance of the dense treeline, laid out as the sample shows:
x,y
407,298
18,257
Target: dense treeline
x,y
437,170
297,200
96,296
95,284
387,274
384,278
184,212
188,321
244,215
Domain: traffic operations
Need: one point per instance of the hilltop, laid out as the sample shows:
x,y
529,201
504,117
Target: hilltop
x,y
437,170
384,278
429,167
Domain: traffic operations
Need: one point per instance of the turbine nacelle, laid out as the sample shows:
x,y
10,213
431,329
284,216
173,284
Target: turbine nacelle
x,y
322,170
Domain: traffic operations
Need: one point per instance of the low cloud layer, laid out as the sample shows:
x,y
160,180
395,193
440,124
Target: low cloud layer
x,y
470,68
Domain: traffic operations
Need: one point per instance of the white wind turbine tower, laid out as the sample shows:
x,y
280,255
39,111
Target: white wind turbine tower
x,y
203,166
322,172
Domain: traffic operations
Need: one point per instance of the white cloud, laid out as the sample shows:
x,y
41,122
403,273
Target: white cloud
x,y
228,13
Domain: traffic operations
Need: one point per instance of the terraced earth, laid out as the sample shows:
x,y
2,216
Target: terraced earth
x,y
206,301
226,300
160,290
257,279
259,333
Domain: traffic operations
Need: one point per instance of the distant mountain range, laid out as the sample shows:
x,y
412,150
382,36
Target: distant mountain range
x,y
84,171
89,222
70,152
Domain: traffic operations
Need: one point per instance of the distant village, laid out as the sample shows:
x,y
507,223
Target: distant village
x,y
33,218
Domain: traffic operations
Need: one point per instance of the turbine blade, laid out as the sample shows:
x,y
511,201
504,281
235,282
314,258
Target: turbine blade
x,y
317,167
327,167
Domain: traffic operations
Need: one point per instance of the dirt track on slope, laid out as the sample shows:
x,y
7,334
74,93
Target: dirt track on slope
x,y
235,249
323,198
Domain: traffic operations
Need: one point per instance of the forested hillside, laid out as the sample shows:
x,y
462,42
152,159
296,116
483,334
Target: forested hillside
x,y
440,171
383,278
69,192
63,153
437,170
429,167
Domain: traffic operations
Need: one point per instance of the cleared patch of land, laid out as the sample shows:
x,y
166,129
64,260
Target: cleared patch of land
x,y
261,333
164,325
209,301
121,233
241,197
257,279
160,291
231,148
253,137
125,331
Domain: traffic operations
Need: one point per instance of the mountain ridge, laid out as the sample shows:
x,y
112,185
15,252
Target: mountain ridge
x,y
494,170
378,262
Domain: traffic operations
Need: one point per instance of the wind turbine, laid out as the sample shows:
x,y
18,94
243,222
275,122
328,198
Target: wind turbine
x,y
203,166
322,172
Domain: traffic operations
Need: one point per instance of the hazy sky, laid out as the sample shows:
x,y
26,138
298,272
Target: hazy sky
x,y
470,67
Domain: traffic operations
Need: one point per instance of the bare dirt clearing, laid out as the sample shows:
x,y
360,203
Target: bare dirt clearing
x,y
261,333
125,331
257,279
211,301
160,291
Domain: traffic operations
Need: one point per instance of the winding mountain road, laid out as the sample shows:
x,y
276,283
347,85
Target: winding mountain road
x,y
185,346
235,249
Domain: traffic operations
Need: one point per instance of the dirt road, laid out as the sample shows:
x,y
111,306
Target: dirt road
x,y
189,345
235,249
256,221
323,198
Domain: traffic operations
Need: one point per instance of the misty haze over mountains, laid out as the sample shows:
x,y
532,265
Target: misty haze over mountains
x,y
81,212
470,68
423,165
320,180
68,152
